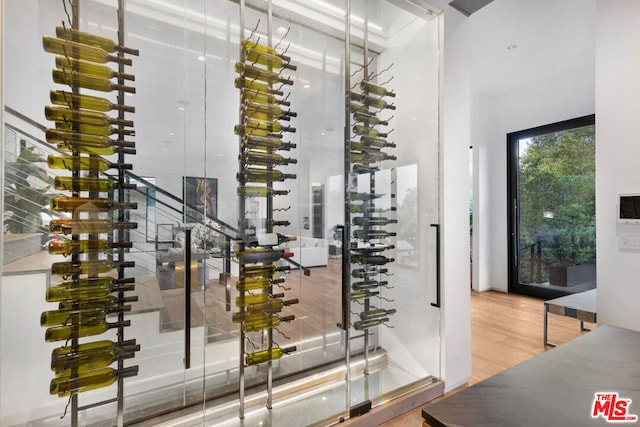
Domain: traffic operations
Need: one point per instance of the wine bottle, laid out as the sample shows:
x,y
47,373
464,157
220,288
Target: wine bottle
x,y
92,129
85,288
87,360
64,114
247,299
268,239
371,156
242,130
266,143
241,83
249,71
90,68
96,164
256,96
377,313
273,305
82,184
373,249
364,294
80,204
87,81
373,220
271,110
359,108
379,103
81,316
244,285
249,271
103,302
267,125
372,234
376,142
371,259
64,333
69,268
367,86
251,45
256,255
262,223
263,175
70,247
88,226
93,40
261,158
365,130
76,147
90,380
362,208
253,191
361,325
368,284
61,136
369,119
263,58
87,102
266,355
355,96
80,51
270,321
361,273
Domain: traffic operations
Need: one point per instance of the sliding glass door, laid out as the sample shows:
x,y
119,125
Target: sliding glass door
x,y
552,233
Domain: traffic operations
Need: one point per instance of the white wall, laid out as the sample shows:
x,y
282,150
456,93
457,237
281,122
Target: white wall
x,y
454,219
542,92
617,154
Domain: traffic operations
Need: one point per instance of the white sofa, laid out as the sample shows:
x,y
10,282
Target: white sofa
x,y
309,252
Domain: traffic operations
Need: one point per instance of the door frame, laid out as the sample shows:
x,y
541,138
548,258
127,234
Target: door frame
x,y
513,213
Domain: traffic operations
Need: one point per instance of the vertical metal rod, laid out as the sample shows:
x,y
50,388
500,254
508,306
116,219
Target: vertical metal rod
x,y
241,217
372,190
269,230
437,303
187,298
346,255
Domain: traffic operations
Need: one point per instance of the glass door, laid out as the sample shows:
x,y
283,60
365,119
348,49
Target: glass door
x,y
552,226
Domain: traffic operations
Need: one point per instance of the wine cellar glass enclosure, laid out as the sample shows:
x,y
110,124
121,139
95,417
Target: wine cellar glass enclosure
x,y
270,253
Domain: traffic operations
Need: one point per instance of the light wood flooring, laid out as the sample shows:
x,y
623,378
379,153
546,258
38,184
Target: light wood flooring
x,y
506,329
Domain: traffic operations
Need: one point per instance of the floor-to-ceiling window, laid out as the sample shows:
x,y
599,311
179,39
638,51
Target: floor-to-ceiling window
x,y
551,194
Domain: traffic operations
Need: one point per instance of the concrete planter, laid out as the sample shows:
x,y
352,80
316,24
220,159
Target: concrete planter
x,y
572,275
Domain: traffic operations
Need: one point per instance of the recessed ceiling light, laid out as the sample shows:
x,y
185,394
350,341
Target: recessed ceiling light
x,y
201,58
512,46
322,133
170,133
282,30
181,108
306,86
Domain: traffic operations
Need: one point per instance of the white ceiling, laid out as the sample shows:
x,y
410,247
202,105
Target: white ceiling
x,y
519,43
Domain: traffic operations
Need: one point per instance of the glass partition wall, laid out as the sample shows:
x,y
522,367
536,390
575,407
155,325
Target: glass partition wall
x,y
192,360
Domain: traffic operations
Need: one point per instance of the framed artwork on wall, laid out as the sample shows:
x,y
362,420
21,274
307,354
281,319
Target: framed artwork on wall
x,y
200,196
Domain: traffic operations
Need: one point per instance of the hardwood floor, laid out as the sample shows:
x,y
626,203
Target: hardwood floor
x,y
506,329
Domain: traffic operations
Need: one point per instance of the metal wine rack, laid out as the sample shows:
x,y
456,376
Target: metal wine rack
x,y
263,121
95,234
367,234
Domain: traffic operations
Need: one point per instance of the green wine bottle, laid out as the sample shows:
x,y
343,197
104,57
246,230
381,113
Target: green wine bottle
x,y
368,284
85,315
65,114
90,68
64,333
273,142
362,325
364,294
82,184
105,303
251,45
265,322
96,164
80,51
367,86
88,360
104,43
104,130
253,191
88,226
273,305
263,58
85,288
80,204
260,97
379,103
267,355
261,158
376,313
256,284
368,131
249,71
271,126
271,110
87,102
94,266
369,119
70,247
90,380
248,299
263,175
242,83
249,271
267,239
362,273
87,81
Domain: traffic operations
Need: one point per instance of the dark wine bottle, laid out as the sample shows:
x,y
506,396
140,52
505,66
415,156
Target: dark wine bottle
x,y
372,234
262,223
266,143
268,239
261,158
362,325
377,313
373,220
263,175
361,273
371,259
256,255
368,284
